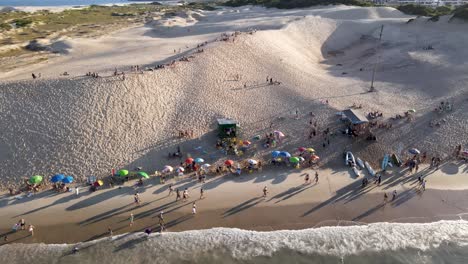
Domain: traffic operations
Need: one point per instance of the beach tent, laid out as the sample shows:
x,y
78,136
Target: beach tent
x,y
227,128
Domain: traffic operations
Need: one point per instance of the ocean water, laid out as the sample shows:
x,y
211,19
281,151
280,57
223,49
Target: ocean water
x,y
61,2
437,242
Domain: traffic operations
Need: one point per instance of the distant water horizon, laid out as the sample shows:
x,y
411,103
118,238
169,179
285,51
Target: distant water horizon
x,y
64,2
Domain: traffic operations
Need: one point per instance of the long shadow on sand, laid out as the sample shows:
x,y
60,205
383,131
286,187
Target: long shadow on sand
x,y
105,195
243,206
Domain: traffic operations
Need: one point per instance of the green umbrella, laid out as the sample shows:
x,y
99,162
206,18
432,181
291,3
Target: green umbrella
x,y
36,179
123,172
294,159
143,174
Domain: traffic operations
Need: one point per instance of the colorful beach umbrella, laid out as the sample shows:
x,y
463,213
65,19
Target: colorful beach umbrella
x,y
314,157
57,178
122,173
143,174
414,151
252,162
246,143
294,159
412,110
180,169
310,150
189,161
167,168
301,149
199,160
285,154
275,153
98,183
68,179
36,179
205,166
278,133
301,159
229,162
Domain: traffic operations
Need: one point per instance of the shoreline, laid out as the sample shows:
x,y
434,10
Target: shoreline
x,y
431,206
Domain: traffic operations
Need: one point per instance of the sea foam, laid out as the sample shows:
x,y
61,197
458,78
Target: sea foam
x,y
243,244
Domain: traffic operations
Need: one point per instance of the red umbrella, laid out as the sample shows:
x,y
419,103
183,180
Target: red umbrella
x,y
314,157
246,142
229,162
302,149
189,161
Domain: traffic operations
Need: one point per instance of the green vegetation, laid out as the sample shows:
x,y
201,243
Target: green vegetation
x,y
287,4
420,10
90,21
461,12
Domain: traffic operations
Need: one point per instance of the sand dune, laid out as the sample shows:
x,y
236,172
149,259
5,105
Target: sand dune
x,y
84,126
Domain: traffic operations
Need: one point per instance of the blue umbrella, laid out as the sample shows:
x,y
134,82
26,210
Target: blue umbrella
x,y
285,154
57,178
199,160
275,154
68,179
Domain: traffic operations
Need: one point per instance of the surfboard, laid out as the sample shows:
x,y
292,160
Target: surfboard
x,y
385,162
360,163
369,169
356,171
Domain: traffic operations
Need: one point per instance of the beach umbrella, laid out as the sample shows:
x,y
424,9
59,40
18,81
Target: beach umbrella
x,y
275,153
229,162
98,183
257,137
465,152
199,160
278,133
412,110
57,178
294,159
205,166
36,179
189,161
301,149
68,179
167,168
310,150
252,162
414,151
246,143
122,172
180,169
314,157
143,174
285,154
301,159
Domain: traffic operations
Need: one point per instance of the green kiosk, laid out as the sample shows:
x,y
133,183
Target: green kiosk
x,y
227,128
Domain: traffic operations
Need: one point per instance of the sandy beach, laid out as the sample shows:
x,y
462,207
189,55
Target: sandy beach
x,y
215,66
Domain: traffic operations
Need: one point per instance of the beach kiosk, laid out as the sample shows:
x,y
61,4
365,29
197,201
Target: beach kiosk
x,y
227,128
357,122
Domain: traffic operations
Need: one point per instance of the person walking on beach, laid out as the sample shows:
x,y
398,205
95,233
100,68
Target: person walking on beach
x,y
136,198
385,198
171,190
185,195
265,192
161,218
394,195
194,208
31,229
22,223
316,177
77,190
307,178
177,195
131,219
423,185
109,230
201,193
